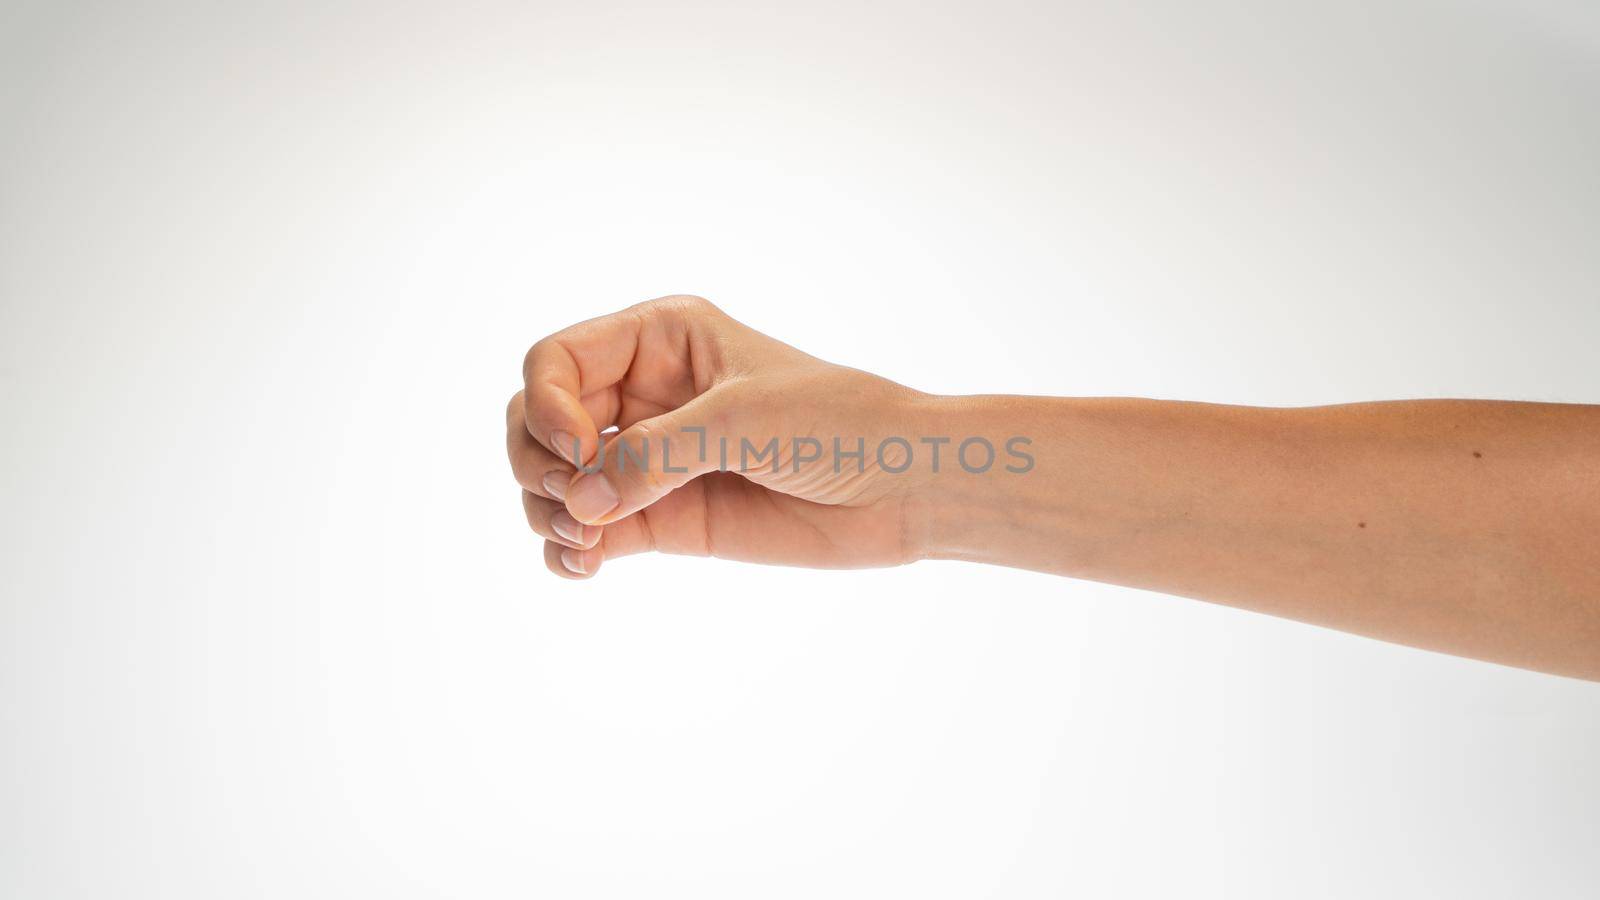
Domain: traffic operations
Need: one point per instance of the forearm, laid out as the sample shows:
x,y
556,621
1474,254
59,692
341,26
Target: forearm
x,y
1463,526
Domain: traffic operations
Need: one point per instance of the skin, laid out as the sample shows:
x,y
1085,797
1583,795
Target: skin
x,y
1468,527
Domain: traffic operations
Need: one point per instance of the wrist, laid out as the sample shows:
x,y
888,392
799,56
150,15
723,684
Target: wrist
x,y
977,478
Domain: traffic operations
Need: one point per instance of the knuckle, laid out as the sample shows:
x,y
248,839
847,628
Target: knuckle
x,y
523,473
539,510
540,350
699,305
649,441
540,408
719,417
681,304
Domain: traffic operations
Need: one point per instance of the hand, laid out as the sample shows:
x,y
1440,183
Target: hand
x,y
681,381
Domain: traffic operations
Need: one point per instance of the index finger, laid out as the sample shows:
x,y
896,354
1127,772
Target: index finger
x,y
562,369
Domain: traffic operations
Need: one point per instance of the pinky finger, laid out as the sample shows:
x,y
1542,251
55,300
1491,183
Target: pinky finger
x,y
624,537
570,562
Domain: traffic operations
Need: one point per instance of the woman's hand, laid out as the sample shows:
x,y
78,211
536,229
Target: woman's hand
x,y
691,391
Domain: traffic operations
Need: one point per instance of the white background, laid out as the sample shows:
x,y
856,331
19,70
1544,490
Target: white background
x,y
274,626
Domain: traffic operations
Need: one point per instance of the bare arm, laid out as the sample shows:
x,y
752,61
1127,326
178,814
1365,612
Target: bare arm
x,y
1469,527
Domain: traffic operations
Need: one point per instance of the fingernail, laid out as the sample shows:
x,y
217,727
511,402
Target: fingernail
x,y
566,446
568,527
573,560
556,483
590,497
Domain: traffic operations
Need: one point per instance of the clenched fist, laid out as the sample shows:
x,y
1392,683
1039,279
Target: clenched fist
x,y
727,443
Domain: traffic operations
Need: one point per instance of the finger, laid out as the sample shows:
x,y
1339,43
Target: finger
x,y
570,563
604,406
535,468
651,458
551,521
572,377
625,537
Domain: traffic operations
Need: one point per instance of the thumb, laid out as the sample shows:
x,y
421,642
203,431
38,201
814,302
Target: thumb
x,y
651,458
